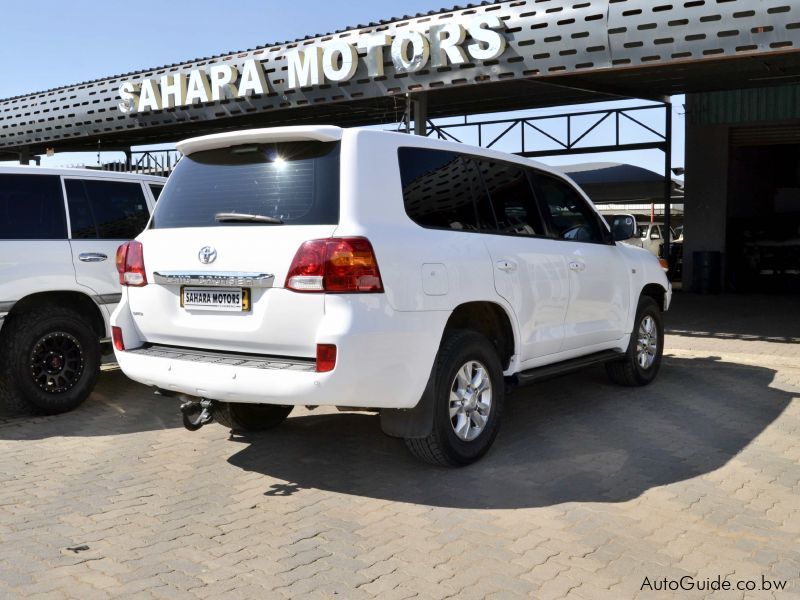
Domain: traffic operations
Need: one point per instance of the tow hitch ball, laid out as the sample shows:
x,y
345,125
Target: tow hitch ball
x,y
197,413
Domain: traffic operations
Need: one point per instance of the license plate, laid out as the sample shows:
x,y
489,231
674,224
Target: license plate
x,y
218,299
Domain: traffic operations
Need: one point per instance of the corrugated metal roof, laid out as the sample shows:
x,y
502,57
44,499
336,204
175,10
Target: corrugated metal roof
x,y
746,105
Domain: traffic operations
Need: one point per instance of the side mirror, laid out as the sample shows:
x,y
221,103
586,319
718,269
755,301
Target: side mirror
x,y
655,236
623,227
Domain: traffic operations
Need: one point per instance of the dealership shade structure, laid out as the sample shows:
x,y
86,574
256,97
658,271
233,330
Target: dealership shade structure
x,y
475,59
492,57
619,183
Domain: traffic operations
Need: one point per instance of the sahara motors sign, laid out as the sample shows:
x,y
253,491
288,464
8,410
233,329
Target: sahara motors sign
x,y
335,61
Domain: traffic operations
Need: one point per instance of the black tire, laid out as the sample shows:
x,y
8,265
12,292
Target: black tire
x,y
629,371
49,361
443,446
250,417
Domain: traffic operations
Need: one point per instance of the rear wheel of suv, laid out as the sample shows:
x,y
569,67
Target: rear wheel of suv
x,y
49,361
643,357
250,417
468,396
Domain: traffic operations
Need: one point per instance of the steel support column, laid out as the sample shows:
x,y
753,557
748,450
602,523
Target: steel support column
x,y
667,178
420,102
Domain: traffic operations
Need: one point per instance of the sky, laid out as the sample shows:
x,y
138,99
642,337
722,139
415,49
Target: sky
x,y
50,44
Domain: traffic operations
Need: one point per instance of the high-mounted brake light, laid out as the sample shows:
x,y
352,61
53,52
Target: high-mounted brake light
x,y
335,265
130,264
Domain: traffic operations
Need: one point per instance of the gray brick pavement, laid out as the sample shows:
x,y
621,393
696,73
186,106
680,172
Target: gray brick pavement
x,y
589,489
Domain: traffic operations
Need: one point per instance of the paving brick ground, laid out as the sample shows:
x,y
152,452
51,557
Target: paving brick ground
x,y
589,488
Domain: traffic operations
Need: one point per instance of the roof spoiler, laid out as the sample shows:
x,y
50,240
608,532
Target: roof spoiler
x,y
323,133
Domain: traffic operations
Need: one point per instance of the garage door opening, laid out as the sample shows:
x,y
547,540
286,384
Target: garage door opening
x,y
763,225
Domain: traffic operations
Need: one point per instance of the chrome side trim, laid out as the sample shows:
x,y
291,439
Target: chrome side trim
x,y
215,278
107,298
233,359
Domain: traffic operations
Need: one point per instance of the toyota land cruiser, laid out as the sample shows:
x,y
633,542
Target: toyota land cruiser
x,y
59,230
361,268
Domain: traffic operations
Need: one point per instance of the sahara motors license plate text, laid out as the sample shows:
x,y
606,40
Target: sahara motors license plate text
x,y
219,299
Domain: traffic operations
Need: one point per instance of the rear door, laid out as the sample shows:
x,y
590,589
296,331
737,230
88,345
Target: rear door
x,y
103,214
530,271
34,250
237,214
599,280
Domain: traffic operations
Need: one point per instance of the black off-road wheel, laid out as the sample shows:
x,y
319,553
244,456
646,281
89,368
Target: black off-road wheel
x,y
240,416
49,361
468,395
643,358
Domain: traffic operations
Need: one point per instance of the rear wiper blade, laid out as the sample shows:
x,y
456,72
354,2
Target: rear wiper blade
x,y
232,217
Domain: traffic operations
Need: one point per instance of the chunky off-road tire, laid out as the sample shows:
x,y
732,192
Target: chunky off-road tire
x,y
643,357
466,419
250,417
49,361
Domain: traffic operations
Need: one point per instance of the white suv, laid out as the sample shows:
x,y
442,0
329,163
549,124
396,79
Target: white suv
x,y
59,230
360,268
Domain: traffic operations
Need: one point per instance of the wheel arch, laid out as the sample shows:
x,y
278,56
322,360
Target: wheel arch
x,y
79,302
656,292
491,320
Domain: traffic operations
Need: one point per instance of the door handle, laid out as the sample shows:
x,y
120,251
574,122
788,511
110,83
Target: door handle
x,y
576,265
507,266
92,257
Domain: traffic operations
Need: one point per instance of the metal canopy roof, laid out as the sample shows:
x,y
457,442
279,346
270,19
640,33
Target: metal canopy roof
x,y
621,183
558,52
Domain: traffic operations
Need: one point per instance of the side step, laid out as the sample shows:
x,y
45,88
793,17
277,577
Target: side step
x,y
567,366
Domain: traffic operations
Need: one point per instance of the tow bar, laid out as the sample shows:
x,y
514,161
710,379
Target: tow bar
x,y
197,413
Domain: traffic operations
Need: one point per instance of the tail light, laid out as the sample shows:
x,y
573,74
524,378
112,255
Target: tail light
x,y
337,265
130,264
116,336
326,357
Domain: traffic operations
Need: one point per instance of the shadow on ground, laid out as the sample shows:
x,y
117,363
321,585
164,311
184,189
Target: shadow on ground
x,y
753,317
573,439
117,405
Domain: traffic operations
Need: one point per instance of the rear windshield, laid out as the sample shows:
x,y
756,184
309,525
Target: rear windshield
x,y
294,182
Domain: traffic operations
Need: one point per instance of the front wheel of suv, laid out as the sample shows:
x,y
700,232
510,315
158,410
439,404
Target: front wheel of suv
x,y
468,402
239,416
642,360
49,361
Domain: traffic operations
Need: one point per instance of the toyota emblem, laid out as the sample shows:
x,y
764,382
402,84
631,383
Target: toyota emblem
x,y
207,254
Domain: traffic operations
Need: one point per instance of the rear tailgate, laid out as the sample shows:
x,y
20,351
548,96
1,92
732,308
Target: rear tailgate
x,y
278,321
222,240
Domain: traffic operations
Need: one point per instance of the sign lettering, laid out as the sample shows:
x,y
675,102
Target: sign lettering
x,y
335,61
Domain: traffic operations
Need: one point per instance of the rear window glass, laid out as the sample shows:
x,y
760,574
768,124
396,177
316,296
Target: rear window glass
x,y
295,182
31,208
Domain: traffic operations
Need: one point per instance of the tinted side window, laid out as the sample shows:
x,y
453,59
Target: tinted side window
x,y
31,208
106,210
571,218
512,198
156,190
438,189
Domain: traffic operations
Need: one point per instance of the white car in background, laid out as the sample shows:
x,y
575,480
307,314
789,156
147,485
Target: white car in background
x,y
360,268
653,236
59,232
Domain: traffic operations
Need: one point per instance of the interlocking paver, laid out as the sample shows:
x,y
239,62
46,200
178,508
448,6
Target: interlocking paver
x,y
590,488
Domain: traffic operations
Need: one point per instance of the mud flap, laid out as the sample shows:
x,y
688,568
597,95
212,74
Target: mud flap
x,y
414,422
